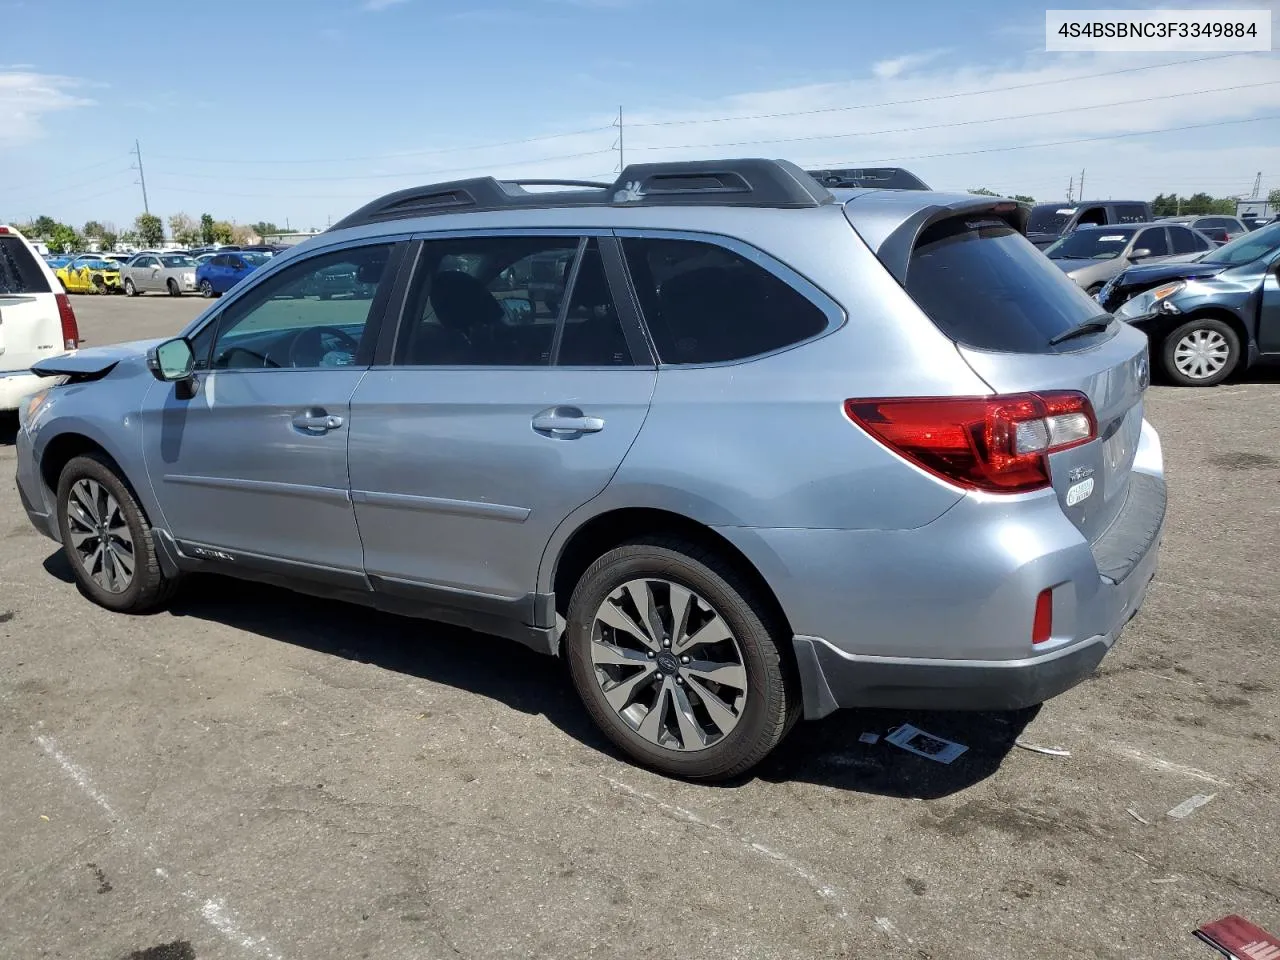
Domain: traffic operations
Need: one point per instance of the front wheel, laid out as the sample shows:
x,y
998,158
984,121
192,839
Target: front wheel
x,y
173,288
206,289
677,661
129,289
1095,289
1200,353
107,538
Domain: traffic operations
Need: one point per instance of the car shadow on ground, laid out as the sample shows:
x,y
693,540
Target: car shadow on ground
x,y
825,752
8,429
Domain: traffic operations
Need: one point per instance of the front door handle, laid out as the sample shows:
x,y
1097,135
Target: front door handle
x,y
317,421
566,422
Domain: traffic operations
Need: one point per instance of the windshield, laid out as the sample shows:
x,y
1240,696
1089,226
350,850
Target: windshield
x,y
1247,247
254,259
1049,217
95,264
985,286
1090,245
178,261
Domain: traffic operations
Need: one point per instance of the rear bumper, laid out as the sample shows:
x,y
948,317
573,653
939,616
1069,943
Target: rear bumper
x,y
940,617
16,386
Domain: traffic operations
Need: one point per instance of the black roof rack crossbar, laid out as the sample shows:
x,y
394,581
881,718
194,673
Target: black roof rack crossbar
x,y
747,182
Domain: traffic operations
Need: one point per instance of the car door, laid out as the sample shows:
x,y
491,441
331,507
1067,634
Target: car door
x,y
1269,310
250,467
497,417
237,270
150,274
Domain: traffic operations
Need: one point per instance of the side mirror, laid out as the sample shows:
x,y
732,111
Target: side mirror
x,y
1140,254
171,361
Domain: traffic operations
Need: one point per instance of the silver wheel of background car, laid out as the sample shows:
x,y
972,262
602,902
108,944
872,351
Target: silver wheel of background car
x,y
100,535
206,289
668,664
129,289
1201,354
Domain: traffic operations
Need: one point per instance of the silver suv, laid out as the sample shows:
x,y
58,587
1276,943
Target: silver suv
x,y
764,452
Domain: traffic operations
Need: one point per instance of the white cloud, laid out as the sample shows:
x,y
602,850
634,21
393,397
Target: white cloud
x,y
376,6
888,69
26,97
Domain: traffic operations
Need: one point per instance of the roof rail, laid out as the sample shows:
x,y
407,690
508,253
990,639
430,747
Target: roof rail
x,y
746,182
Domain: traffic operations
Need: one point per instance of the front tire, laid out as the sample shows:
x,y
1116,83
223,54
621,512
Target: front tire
x,y
107,538
173,288
129,289
678,662
1201,353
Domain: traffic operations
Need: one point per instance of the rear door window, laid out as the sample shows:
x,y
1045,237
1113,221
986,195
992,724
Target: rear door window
x,y
704,303
19,272
1186,241
1130,213
985,286
1153,239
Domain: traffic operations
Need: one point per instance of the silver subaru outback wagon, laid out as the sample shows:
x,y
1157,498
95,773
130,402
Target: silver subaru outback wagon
x,y
741,449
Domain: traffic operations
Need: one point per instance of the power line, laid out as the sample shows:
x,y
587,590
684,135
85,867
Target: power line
x,y
958,123
942,96
1052,143
389,156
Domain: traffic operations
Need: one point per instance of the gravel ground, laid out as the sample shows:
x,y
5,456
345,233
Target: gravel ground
x,y
258,774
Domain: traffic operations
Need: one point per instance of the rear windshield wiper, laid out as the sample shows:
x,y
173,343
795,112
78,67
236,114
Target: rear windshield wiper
x,y
1094,325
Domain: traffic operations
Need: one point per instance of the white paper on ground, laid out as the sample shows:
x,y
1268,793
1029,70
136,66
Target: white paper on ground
x,y
1191,804
914,740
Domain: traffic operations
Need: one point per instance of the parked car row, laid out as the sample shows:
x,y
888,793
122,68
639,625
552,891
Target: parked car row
x,y
175,272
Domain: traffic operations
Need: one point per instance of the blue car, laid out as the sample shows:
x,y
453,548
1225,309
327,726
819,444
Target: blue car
x,y
223,271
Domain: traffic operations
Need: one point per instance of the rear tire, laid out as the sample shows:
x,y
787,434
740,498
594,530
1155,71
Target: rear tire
x,y
206,289
1201,353
757,698
107,538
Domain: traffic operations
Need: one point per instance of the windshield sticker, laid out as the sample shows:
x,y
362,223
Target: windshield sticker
x,y
1068,211
1112,238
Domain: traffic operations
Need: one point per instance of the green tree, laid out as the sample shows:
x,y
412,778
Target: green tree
x,y
108,240
150,229
1164,205
983,192
223,232
129,238
64,239
264,228
207,235
44,227
184,229
1023,198
92,229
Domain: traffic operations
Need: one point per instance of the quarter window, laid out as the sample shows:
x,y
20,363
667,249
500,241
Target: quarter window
x,y
19,272
704,303
311,314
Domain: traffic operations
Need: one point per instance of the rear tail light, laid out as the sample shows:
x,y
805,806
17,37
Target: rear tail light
x,y
70,329
1042,625
999,443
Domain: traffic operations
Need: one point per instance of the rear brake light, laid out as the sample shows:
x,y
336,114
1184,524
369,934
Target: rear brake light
x,y
997,443
1042,625
4,229
70,329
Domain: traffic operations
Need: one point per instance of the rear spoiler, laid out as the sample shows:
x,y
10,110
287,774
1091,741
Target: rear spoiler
x,y
892,238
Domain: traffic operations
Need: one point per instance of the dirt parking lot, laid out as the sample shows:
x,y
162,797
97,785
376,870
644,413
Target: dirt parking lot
x,y
259,774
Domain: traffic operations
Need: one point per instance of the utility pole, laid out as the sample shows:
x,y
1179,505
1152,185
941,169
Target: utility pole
x,y
1071,184
1082,185
1257,186
622,162
142,177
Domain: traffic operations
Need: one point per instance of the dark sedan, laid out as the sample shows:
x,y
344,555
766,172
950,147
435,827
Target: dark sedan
x,y
1207,317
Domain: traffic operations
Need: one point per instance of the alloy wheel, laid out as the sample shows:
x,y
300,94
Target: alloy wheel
x,y
668,664
100,535
1201,354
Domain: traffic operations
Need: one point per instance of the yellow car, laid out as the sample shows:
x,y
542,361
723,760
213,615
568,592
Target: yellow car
x,y
90,273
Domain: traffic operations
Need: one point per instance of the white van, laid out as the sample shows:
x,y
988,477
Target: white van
x,y
35,321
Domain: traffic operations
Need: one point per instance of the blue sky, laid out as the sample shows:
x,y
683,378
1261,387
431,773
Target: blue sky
x,y
300,110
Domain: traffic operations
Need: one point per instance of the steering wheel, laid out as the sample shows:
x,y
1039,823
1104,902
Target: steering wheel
x,y
313,339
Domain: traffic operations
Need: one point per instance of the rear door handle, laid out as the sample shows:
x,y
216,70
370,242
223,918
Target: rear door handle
x,y
317,422
566,422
